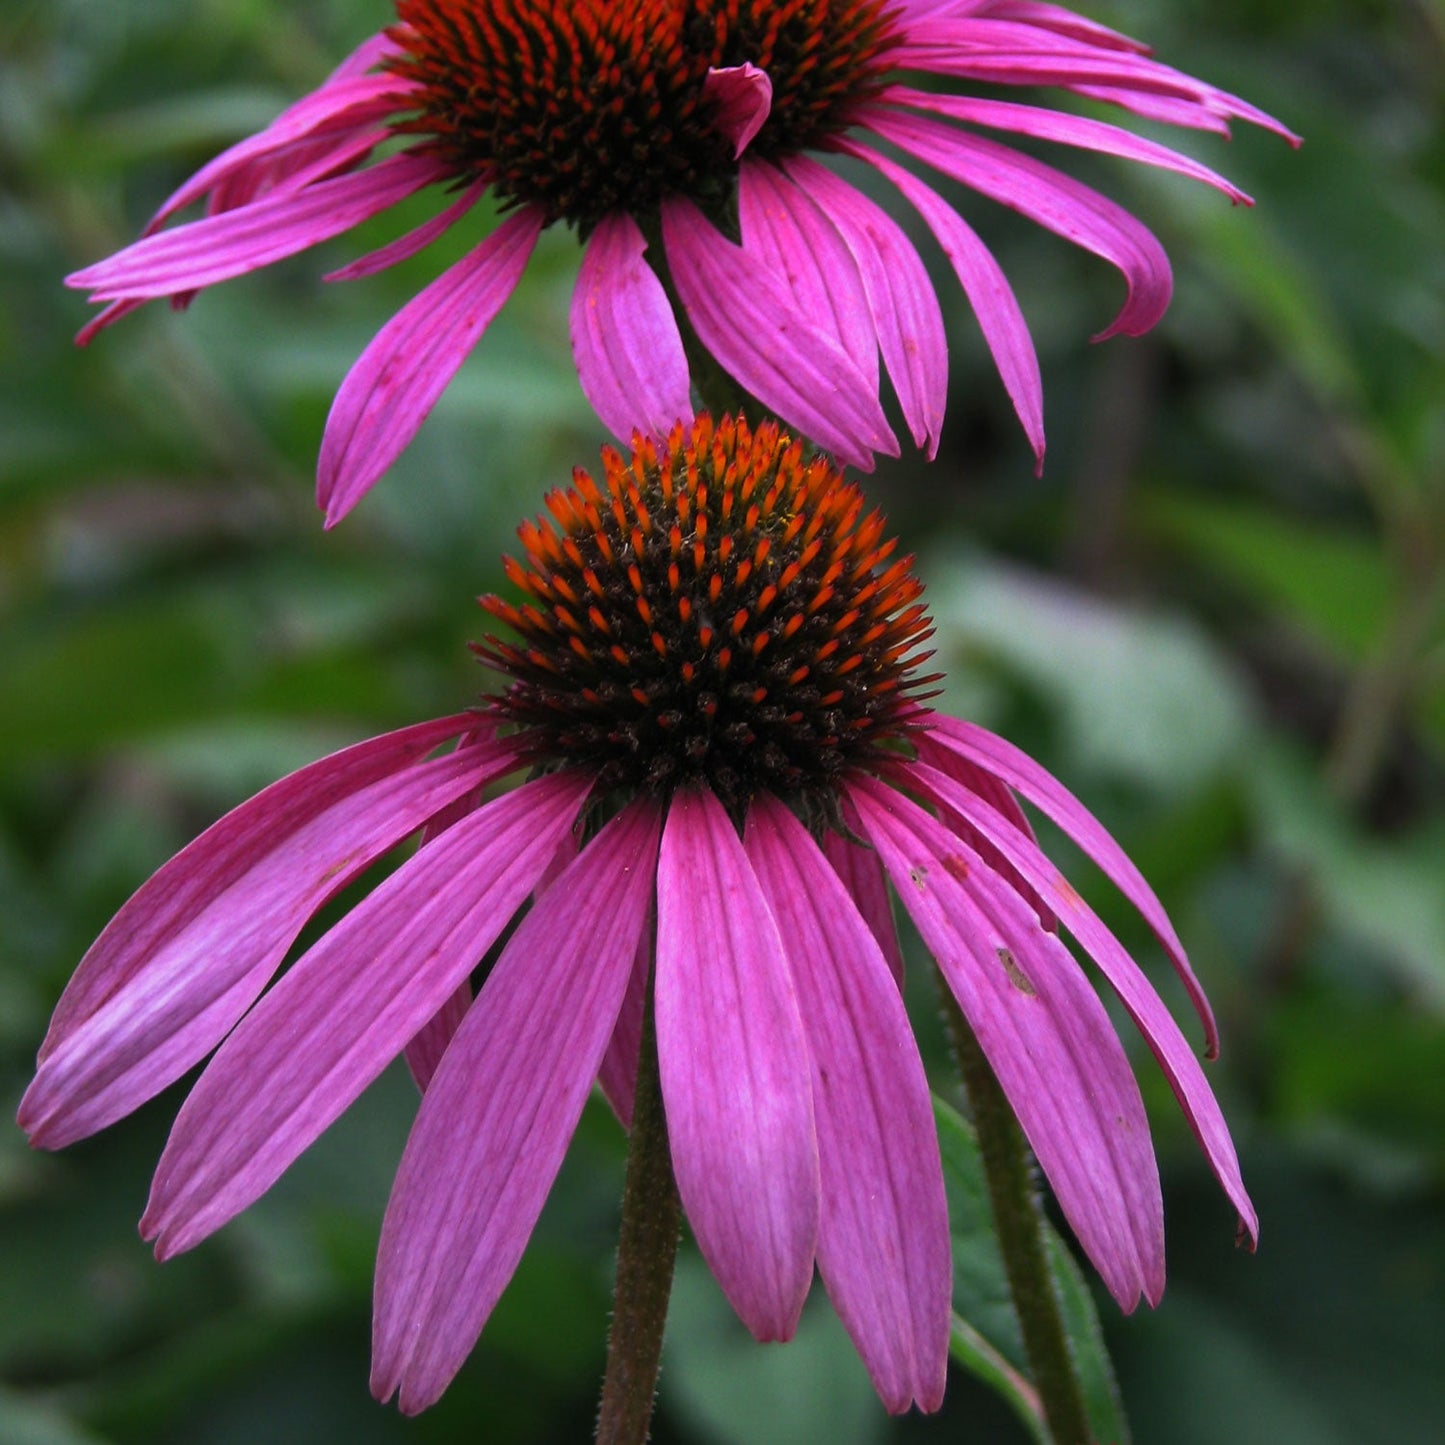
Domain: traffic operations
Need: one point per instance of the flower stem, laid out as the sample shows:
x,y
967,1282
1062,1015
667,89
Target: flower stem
x,y
1019,1223
646,1252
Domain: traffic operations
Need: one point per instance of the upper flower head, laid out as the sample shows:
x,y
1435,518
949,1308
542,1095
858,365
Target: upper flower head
x,y
696,124
713,693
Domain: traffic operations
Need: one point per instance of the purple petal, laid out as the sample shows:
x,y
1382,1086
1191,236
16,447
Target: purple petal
x,y
1145,1007
1045,1033
1014,767
349,1006
986,787
415,240
334,110
625,339
1064,22
797,244
617,1075
190,952
741,96
1071,130
217,248
424,1052
988,292
371,52
862,875
900,296
497,1119
401,375
735,1070
1056,201
883,1243
747,320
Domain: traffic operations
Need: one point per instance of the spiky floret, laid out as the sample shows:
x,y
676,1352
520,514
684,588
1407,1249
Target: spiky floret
x,y
717,609
584,106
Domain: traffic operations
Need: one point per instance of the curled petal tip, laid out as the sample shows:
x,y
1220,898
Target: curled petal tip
x,y
743,97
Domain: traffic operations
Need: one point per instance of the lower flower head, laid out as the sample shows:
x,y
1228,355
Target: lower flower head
x,y
717,610
712,818
691,144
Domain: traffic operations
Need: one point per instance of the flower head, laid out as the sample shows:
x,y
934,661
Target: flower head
x,y
682,140
714,692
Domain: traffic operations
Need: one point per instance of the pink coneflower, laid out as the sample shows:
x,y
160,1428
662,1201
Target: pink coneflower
x,y
714,692
691,129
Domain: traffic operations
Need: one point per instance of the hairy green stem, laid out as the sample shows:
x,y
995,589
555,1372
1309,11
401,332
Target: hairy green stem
x,y
1019,1223
646,1253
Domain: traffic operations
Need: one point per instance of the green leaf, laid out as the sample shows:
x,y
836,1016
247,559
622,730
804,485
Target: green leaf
x,y
1335,584
986,1340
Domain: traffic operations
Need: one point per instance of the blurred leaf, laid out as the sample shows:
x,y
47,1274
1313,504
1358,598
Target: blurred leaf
x,y
1142,696
27,1423
986,1337
1337,584
1389,894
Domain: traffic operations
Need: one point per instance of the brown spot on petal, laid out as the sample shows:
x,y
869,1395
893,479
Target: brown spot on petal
x,y
956,866
1016,975
918,875
1067,891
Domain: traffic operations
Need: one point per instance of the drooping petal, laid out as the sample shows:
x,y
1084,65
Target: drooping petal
x,y
1043,194
741,96
625,339
900,296
862,875
191,951
497,1119
1145,1007
1013,766
796,243
987,788
333,110
735,1070
417,239
1046,1036
348,1007
617,1074
883,1241
988,291
401,375
217,248
1073,130
749,322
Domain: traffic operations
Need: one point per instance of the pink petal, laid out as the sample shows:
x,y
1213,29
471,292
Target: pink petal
x,y
217,248
741,96
796,243
625,339
748,321
190,952
987,788
370,53
735,1070
401,375
1065,22
1014,767
1045,1033
1145,1007
862,875
617,1075
988,292
1054,200
1071,130
338,107
900,296
497,1119
883,1242
415,240
349,1006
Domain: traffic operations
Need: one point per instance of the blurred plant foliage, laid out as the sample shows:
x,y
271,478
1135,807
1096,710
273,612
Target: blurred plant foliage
x,y
1220,614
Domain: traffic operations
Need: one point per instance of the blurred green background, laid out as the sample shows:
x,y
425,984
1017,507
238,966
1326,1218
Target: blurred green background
x,y
1218,616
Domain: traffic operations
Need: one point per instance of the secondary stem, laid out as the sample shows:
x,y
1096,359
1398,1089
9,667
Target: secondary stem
x,y
646,1252
1019,1223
